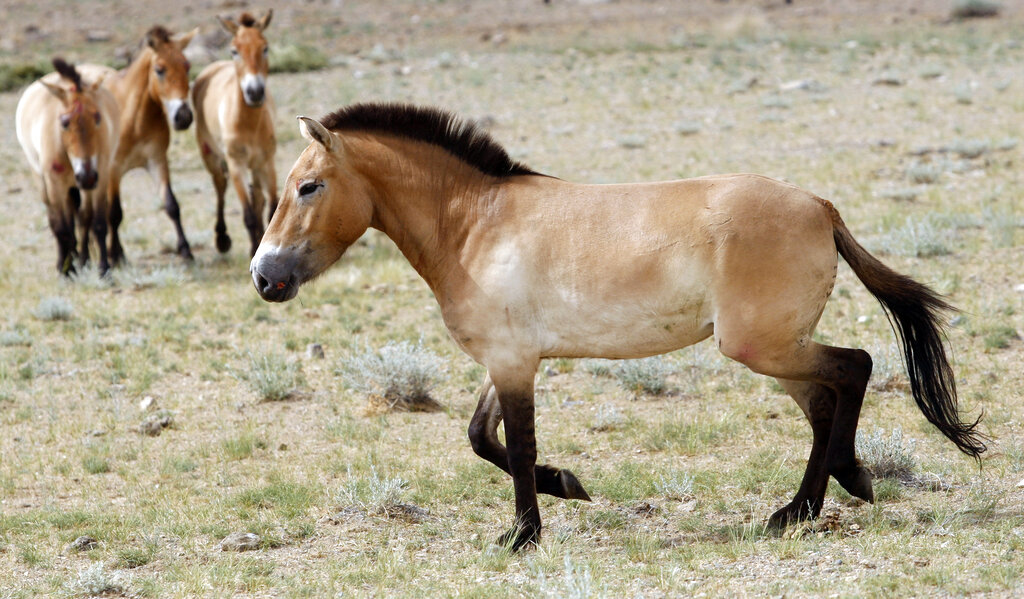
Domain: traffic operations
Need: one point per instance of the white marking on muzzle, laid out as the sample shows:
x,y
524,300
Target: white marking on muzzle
x,y
252,83
173,106
82,165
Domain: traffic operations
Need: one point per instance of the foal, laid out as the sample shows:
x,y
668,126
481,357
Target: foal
x,y
527,267
68,131
235,126
151,91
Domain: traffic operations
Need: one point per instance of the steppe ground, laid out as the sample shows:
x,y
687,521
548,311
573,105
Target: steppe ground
x,y
908,121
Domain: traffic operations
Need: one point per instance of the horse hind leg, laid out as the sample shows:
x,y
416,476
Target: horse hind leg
x,y
818,404
483,436
844,373
218,170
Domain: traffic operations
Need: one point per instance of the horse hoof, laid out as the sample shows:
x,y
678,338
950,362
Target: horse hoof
x,y
857,482
571,486
223,244
185,252
519,537
792,513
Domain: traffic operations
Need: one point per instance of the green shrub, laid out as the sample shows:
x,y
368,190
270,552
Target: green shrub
x,y
648,375
400,375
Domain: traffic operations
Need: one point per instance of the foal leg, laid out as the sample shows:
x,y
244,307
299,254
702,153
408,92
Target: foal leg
x,y
253,220
84,212
483,436
115,216
818,404
98,200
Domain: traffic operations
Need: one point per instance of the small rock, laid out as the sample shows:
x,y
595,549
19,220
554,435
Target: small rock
x,y
1020,485
632,142
98,35
147,403
97,432
1019,288
154,426
82,543
549,371
888,78
240,541
315,350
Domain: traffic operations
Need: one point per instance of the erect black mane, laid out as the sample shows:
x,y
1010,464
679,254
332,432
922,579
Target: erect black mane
x,y
68,71
246,20
461,138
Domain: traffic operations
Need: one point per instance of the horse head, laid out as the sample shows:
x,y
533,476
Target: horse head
x,y
325,207
249,51
168,73
80,123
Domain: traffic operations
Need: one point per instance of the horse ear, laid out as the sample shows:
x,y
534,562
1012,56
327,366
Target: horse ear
x,y
60,92
182,39
313,130
228,24
99,81
264,22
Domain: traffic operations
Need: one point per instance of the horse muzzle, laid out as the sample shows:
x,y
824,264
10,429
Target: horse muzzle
x,y
274,275
254,91
86,175
181,114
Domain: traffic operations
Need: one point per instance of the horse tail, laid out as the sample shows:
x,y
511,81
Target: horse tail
x,y
914,312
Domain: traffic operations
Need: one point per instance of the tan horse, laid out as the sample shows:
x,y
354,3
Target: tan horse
x,y
68,131
151,91
235,126
527,267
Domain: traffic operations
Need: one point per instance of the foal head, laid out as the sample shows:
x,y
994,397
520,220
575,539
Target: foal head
x,y
249,51
168,74
325,207
80,123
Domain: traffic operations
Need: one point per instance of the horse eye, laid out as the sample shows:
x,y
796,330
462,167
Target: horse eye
x,y
266,50
188,66
309,188
97,117
234,52
160,71
65,120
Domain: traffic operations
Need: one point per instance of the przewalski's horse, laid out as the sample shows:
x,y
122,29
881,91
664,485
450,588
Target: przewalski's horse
x,y
151,91
527,267
235,126
68,131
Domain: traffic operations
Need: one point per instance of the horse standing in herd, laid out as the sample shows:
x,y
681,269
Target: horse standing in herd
x,y
151,91
235,127
68,131
527,267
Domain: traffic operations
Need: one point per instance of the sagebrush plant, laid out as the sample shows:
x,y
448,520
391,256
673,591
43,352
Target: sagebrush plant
x,y
887,456
53,308
170,275
677,486
575,582
917,238
96,581
272,376
647,375
402,374
373,494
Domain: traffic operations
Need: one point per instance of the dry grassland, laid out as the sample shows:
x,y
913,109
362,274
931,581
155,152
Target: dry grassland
x,y
911,125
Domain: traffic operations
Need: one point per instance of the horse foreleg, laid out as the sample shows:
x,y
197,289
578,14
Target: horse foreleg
x,y
63,228
98,202
171,206
483,436
84,211
115,216
818,404
515,395
217,168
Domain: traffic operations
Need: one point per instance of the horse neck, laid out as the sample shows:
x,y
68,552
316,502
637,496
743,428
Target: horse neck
x,y
132,87
426,201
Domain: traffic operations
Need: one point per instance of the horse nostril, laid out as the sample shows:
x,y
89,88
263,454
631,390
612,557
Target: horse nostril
x,y
183,117
262,284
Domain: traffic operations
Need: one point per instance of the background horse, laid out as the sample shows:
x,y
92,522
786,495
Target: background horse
x,y
527,267
68,131
150,91
235,126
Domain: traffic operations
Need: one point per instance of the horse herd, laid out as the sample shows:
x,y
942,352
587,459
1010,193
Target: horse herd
x,y
83,127
524,266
